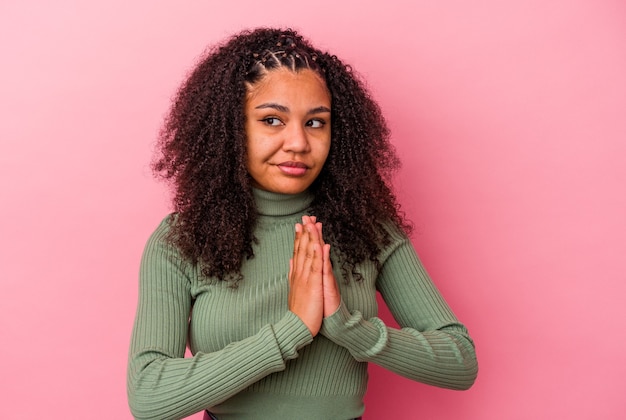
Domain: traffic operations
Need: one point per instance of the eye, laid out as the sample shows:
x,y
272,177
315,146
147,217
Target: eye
x,y
273,121
316,123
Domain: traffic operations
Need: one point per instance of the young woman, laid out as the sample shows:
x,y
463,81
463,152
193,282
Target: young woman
x,y
285,227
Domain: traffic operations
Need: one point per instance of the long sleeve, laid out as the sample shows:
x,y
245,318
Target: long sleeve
x,y
161,383
431,347
253,358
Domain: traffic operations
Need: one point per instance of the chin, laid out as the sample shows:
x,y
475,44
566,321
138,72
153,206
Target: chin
x,y
288,189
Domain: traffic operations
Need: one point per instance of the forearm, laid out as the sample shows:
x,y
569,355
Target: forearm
x,y
431,346
161,382
166,385
442,357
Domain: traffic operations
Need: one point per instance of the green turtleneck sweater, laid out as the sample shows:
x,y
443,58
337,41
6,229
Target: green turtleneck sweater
x,y
254,359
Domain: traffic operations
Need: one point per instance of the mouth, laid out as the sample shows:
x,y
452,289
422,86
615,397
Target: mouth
x,y
293,168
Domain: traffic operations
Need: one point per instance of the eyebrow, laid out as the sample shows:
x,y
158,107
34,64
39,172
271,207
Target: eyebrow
x,y
282,108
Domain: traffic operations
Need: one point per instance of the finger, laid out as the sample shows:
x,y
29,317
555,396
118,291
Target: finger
x,y
328,267
301,249
298,232
318,226
306,219
314,260
317,260
325,249
296,243
314,233
311,250
332,297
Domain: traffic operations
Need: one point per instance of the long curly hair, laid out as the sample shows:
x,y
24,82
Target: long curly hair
x,y
202,153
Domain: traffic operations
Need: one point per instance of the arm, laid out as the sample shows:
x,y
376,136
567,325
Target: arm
x,y
161,382
431,347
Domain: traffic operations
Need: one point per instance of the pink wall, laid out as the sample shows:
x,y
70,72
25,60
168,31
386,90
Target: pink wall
x,y
510,119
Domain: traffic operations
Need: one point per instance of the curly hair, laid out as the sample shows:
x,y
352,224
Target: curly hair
x,y
202,153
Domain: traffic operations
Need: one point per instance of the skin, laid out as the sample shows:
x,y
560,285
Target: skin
x,y
287,129
313,292
288,140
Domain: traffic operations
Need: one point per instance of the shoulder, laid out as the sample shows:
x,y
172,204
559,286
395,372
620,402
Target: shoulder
x,y
164,229
161,252
160,241
397,238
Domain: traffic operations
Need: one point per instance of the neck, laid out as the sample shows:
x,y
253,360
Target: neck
x,y
275,204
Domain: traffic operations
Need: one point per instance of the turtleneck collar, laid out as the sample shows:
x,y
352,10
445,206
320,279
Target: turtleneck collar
x,y
274,204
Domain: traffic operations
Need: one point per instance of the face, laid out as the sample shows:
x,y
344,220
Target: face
x,y
288,130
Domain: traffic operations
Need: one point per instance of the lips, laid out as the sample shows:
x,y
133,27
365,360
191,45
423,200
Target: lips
x,y
293,168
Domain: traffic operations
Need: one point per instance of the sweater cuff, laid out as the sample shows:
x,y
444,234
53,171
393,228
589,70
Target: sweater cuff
x,y
362,338
291,335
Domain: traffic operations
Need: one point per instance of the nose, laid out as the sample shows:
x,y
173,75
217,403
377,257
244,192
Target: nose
x,y
295,139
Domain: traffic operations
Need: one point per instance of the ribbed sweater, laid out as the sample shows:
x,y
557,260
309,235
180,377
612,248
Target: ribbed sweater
x,y
253,358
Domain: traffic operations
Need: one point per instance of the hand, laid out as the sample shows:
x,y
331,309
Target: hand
x,y
311,276
306,292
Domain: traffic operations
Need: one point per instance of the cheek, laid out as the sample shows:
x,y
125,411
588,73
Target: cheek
x,y
325,151
257,152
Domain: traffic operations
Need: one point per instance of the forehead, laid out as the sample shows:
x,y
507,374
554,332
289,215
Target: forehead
x,y
286,83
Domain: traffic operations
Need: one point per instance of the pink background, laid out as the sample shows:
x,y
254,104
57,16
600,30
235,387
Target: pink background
x,y
510,118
